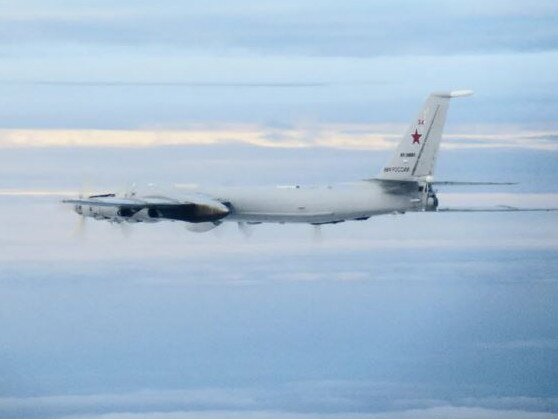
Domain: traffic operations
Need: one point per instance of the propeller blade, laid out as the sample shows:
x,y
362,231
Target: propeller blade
x,y
80,228
318,236
245,229
126,230
129,190
86,187
201,227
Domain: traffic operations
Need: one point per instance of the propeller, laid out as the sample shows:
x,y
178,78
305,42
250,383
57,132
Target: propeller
x,y
87,191
129,190
318,236
126,229
245,229
80,228
85,188
202,227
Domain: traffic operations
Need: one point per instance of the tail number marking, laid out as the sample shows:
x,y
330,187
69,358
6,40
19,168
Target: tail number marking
x,y
397,169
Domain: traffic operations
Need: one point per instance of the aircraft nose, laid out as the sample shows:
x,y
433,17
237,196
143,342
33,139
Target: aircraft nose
x,y
78,209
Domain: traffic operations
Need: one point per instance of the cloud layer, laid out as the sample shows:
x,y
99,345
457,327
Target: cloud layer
x,y
337,400
356,136
330,28
419,316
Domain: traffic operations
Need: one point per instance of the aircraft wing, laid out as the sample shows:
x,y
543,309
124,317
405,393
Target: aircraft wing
x,y
452,183
110,202
191,208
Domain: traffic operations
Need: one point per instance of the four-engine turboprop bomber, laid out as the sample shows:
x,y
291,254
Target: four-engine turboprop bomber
x,y
405,184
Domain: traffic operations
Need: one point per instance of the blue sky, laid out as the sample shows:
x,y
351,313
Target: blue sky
x,y
419,316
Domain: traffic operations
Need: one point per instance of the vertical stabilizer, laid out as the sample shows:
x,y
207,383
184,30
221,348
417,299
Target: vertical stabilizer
x,y
416,154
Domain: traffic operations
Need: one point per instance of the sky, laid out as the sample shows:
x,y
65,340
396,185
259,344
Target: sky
x,y
415,316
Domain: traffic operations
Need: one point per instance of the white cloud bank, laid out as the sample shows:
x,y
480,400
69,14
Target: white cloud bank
x,y
342,136
263,404
448,412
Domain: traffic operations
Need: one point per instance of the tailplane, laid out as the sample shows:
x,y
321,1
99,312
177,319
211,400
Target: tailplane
x,y
416,154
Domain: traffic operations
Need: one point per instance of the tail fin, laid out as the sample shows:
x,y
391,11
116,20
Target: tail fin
x,y
416,154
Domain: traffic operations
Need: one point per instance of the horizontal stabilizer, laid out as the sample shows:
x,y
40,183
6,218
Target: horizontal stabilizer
x,y
454,93
451,183
498,208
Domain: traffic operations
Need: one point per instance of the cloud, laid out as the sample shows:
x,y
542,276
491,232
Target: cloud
x,y
448,412
143,401
284,85
522,345
342,136
37,192
312,400
328,28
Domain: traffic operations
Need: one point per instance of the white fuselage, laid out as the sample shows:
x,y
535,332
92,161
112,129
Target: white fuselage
x,y
291,204
313,204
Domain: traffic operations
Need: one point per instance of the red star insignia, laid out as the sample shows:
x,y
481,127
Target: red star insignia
x,y
416,137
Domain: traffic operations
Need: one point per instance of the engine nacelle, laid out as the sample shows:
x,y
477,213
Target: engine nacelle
x,y
145,215
98,212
